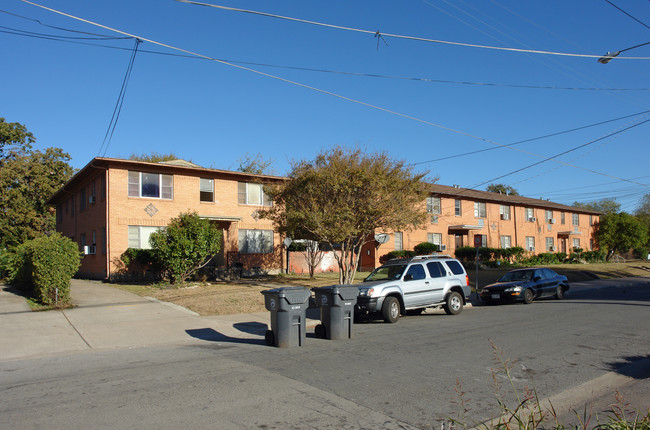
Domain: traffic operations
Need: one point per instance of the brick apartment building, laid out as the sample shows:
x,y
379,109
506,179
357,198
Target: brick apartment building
x,y
111,205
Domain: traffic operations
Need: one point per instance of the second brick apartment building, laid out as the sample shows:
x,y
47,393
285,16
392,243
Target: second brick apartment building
x,y
112,204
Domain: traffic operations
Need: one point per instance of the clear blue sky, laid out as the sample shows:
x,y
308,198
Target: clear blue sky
x,y
214,114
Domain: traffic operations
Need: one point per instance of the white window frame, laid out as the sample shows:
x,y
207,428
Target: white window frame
x,y
399,241
550,244
434,205
458,207
435,238
530,243
255,241
529,213
506,241
165,191
548,215
206,187
138,236
576,243
575,219
480,210
504,212
246,194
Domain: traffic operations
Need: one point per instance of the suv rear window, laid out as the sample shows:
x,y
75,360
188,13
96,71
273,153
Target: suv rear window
x,y
456,267
436,270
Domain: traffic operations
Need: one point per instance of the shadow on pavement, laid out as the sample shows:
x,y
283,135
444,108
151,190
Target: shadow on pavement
x,y
212,335
637,367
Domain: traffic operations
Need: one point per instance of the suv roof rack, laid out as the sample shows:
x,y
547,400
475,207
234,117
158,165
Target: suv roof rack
x,y
424,257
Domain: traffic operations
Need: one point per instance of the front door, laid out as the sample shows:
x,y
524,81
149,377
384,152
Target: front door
x,y
459,240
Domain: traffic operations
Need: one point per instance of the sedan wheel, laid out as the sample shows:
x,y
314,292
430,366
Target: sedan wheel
x,y
559,292
528,296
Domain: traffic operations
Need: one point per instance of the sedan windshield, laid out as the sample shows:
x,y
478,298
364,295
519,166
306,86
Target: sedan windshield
x,y
385,273
519,275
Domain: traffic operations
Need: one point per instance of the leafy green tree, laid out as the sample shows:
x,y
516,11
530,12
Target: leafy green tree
x,y
28,178
621,232
606,206
344,196
154,157
502,189
14,138
187,244
256,164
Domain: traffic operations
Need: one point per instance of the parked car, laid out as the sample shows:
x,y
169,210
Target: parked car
x,y
412,285
526,285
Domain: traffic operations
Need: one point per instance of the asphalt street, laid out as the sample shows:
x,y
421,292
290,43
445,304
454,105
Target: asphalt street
x,y
119,360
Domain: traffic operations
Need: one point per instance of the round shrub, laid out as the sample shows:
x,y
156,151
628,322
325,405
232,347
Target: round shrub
x,y
425,248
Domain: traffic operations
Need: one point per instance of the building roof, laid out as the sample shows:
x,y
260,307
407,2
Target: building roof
x,y
103,163
486,196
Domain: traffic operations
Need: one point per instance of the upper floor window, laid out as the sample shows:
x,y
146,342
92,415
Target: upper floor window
x,y
530,214
152,185
252,194
562,218
206,189
480,210
576,219
458,211
548,215
504,212
433,205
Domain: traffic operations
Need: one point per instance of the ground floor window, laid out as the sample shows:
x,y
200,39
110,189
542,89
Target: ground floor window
x,y
256,241
576,243
550,245
506,242
139,236
399,245
530,243
435,238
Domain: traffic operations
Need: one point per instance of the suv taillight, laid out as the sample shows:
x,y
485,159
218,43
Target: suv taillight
x,y
467,280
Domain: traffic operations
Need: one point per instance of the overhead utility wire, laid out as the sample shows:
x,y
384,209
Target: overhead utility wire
x,y
642,23
314,89
61,38
532,139
398,36
19,32
566,152
120,101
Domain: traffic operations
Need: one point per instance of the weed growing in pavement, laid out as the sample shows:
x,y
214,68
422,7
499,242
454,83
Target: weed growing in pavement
x,y
527,412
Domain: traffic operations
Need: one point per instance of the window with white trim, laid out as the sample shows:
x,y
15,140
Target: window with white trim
x,y
139,236
575,219
504,212
506,242
399,245
548,215
550,245
433,205
576,243
480,210
529,214
458,210
206,190
252,194
562,218
435,238
151,185
255,241
530,243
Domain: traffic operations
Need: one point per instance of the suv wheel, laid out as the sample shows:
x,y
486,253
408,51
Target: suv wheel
x,y
453,304
390,310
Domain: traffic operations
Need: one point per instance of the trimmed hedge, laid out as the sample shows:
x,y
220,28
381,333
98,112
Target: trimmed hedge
x,y
43,267
425,248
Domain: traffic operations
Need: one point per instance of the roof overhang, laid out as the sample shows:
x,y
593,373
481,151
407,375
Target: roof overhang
x,y
221,218
465,227
568,233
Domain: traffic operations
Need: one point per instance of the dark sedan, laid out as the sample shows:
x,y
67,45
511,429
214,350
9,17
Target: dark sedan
x,y
526,285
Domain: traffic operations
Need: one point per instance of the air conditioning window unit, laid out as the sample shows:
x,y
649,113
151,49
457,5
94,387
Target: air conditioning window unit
x,y
92,199
89,250
532,219
442,247
552,220
551,248
505,217
531,248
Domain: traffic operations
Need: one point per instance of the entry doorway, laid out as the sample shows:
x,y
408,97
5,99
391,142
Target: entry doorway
x,y
459,241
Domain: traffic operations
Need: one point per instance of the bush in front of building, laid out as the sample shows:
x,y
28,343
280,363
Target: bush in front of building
x,y
43,267
425,248
187,244
396,254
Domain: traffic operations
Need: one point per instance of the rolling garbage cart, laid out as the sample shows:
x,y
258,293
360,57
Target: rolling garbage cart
x,y
288,308
336,311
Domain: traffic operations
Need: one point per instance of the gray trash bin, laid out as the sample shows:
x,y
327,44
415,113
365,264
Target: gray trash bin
x,y
336,311
288,308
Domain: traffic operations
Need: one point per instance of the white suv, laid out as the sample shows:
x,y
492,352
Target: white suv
x,y
412,285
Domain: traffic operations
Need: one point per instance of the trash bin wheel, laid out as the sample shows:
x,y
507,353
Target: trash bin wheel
x,y
269,339
319,330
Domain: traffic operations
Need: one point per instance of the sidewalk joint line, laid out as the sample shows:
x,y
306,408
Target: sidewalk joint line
x,y
75,329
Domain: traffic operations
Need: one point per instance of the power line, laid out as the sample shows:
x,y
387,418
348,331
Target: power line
x,y
120,101
19,32
362,103
566,152
397,36
640,22
532,139
52,26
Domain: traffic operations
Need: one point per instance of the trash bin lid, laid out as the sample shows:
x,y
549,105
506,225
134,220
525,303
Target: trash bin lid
x,y
293,295
347,292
